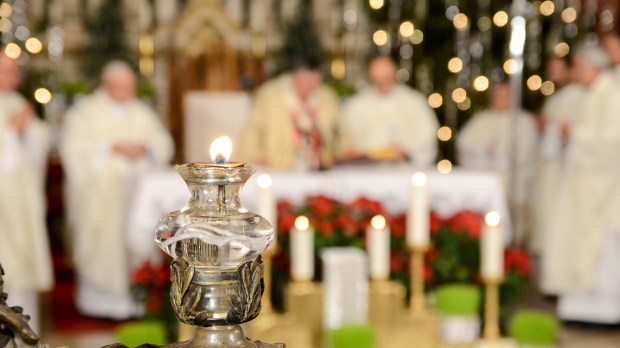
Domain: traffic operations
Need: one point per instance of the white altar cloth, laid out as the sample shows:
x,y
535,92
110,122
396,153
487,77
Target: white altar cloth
x,y
157,193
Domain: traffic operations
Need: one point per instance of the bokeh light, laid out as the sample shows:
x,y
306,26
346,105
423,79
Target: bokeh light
x,y
435,100
481,83
42,95
547,88
534,82
380,37
455,65
500,18
547,8
459,95
444,166
375,4
444,133
34,45
406,29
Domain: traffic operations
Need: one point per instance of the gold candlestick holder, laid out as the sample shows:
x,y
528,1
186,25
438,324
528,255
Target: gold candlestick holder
x,y
270,326
491,334
385,302
417,302
491,309
304,303
419,326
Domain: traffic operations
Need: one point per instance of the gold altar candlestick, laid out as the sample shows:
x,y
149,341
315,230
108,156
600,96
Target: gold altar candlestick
x,y
417,302
491,309
304,303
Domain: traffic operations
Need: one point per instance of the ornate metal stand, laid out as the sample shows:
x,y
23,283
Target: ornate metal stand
x,y
14,329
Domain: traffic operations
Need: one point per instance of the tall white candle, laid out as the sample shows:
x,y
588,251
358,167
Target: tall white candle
x,y
418,216
266,206
302,250
492,248
378,239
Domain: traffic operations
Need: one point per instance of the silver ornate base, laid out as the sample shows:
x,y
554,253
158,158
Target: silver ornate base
x,y
223,336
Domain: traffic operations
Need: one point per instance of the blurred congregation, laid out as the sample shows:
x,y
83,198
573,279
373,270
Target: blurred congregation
x,y
98,94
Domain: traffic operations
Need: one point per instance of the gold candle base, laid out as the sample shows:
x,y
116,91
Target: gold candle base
x,y
417,303
385,302
491,310
281,327
412,330
304,304
497,343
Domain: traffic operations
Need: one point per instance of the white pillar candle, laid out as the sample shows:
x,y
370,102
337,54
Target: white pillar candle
x,y
492,248
378,239
302,250
266,206
418,216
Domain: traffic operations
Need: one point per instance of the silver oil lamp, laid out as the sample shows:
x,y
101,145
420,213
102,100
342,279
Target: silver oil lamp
x,y
216,244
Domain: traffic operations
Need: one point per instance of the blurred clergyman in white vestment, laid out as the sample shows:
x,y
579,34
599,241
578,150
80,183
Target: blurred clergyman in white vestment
x,y
583,231
292,122
485,143
108,137
558,112
388,121
24,247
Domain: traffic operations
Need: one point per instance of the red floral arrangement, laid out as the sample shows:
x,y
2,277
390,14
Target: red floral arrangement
x,y
149,285
454,256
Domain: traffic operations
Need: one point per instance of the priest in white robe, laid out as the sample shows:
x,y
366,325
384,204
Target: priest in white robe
x,y
108,137
485,143
292,122
584,228
388,121
558,112
24,247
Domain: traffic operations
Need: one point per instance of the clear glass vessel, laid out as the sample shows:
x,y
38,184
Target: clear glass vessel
x,y
214,231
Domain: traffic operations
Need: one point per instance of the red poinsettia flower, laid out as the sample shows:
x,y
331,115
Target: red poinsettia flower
x,y
321,205
367,207
143,274
436,222
396,262
517,260
286,221
284,206
347,224
466,221
398,226
324,228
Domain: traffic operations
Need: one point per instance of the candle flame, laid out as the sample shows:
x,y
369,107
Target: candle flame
x,y
378,222
264,181
302,223
492,219
418,179
220,150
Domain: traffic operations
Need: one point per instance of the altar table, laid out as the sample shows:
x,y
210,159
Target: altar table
x,y
155,194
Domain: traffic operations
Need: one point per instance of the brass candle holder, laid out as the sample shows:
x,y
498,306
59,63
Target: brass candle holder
x,y
272,326
304,303
385,302
417,302
491,309
491,334
419,327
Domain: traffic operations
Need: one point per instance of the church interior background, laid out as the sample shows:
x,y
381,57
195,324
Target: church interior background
x,y
199,64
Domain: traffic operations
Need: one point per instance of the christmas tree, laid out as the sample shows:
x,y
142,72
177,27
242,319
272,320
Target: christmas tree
x,y
106,39
302,45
